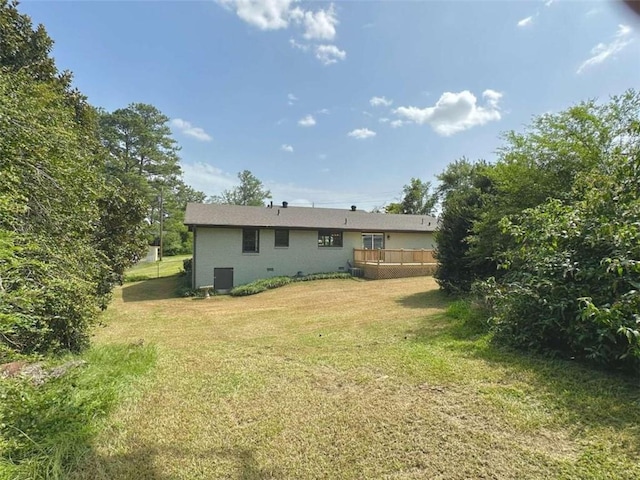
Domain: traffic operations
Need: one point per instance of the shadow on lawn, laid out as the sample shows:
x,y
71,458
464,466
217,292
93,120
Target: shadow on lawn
x,y
152,289
581,396
140,464
137,464
429,299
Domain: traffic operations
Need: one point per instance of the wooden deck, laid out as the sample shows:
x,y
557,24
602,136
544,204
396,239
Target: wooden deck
x,y
395,263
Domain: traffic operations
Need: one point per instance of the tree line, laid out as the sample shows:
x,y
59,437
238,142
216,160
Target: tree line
x,y
84,191
547,238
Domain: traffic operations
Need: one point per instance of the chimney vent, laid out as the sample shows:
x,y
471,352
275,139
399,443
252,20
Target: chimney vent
x,y
285,204
353,208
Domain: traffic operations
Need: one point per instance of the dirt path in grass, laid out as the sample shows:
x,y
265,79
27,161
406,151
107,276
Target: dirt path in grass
x,y
349,379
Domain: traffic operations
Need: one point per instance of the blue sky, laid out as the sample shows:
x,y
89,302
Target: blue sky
x,y
341,103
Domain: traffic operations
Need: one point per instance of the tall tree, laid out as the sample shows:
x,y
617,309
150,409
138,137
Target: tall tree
x,y
71,217
22,47
417,199
143,158
251,192
139,140
463,186
51,274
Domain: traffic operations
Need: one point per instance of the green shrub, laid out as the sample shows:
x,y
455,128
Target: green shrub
x,y
323,276
260,286
275,282
187,266
573,279
136,278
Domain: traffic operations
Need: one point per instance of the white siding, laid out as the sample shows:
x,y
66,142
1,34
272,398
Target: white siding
x,y
409,241
222,248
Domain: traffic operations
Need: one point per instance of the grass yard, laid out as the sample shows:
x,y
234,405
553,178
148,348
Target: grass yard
x,y
343,379
147,270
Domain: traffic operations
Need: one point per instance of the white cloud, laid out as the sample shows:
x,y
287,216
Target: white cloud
x,y
603,51
291,99
263,14
548,3
380,102
307,121
361,133
397,123
455,112
207,178
300,46
492,97
526,21
320,25
286,148
329,54
383,120
186,128
324,111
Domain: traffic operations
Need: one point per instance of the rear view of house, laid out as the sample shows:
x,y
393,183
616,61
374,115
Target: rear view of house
x,y
234,244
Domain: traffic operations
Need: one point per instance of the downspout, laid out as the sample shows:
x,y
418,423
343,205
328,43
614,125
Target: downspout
x,y
193,260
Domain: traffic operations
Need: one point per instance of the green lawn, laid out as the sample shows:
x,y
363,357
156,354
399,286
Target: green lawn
x,y
146,270
343,379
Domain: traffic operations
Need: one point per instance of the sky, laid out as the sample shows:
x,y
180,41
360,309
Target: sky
x,y
333,104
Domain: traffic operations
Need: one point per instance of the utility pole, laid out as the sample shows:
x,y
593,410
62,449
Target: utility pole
x,y
161,223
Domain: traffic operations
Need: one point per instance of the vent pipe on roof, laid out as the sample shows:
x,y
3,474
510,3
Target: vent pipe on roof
x,y
353,208
285,204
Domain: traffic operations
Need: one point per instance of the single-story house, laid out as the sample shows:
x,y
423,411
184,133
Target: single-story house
x,y
234,245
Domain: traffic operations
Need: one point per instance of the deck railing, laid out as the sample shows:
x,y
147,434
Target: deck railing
x,y
394,256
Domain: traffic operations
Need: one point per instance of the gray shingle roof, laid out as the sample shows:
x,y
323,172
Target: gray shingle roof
x,y
304,218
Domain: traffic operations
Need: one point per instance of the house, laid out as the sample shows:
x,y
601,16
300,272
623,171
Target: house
x,y
234,244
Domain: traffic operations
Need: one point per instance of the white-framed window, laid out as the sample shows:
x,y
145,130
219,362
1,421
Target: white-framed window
x,y
373,241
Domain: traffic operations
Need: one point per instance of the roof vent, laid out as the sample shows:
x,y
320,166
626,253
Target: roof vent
x,y
285,204
353,208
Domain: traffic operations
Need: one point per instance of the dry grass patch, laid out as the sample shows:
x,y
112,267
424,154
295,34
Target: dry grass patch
x,y
351,379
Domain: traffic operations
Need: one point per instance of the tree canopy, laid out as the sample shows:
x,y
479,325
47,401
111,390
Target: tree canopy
x,y
549,233
250,192
77,193
417,199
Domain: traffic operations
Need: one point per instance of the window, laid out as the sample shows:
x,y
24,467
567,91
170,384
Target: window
x,y
329,238
372,241
250,240
282,238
